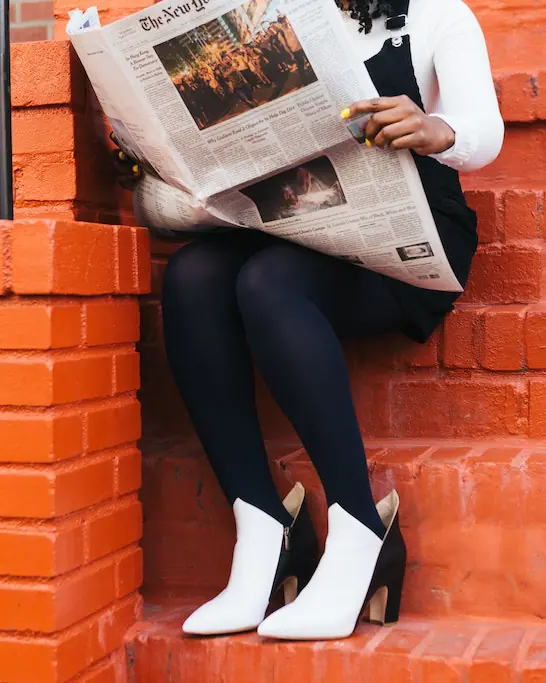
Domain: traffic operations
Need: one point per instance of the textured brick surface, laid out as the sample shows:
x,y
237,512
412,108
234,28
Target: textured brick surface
x,y
54,257
503,346
472,516
95,643
70,520
413,651
33,436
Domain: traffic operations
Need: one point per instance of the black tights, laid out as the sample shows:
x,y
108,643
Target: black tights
x,y
231,297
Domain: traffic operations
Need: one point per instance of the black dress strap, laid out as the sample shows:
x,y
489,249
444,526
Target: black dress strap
x,y
392,73
398,15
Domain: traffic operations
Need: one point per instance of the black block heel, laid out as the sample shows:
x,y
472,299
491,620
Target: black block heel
x,y
385,592
385,604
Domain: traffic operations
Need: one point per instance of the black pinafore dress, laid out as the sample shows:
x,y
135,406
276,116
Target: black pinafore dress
x,y
392,73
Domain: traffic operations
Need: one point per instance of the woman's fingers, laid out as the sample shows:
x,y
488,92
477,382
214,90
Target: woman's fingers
x,y
121,158
399,129
372,106
385,111
127,170
379,104
127,182
397,122
414,141
383,119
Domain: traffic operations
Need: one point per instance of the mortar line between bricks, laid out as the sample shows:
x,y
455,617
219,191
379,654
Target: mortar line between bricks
x,y
7,252
53,524
471,650
469,374
58,466
527,412
523,650
419,462
99,401
66,352
85,456
25,635
54,581
51,226
376,640
417,653
117,260
100,666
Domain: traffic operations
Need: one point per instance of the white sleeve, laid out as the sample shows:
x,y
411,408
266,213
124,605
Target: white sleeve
x,y
468,102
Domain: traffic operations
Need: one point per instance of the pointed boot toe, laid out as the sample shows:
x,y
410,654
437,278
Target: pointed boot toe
x,y
267,557
214,617
357,569
280,624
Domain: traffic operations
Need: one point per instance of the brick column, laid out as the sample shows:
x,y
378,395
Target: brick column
x,y
70,519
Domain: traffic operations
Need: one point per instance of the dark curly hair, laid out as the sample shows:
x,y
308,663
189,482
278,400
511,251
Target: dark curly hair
x,y
362,12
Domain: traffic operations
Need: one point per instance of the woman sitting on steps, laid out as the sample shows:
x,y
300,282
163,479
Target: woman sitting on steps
x,y
243,296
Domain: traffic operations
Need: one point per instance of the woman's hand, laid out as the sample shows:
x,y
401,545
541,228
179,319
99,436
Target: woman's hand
x,y
398,123
127,169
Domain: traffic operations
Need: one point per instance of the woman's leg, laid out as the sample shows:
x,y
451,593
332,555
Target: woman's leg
x,y
208,354
294,303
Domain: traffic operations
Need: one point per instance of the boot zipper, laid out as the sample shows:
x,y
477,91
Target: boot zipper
x,y
287,537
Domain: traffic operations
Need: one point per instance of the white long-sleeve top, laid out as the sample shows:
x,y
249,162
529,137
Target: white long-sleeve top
x,y
453,72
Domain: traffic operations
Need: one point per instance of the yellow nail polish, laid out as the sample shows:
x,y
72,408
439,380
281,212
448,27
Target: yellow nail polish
x,y
345,114
121,156
369,143
135,169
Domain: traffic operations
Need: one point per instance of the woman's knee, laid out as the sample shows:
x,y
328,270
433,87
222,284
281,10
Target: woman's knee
x,y
193,272
266,279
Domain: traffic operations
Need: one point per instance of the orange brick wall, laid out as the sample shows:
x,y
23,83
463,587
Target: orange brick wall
x,y
70,519
31,20
68,370
61,152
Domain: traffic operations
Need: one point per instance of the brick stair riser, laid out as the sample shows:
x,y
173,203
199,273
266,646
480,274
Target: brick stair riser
x,y
484,375
473,519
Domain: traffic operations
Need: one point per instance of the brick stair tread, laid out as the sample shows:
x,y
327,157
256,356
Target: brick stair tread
x,y
416,650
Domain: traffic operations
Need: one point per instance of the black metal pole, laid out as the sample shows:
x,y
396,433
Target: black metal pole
x,y
6,182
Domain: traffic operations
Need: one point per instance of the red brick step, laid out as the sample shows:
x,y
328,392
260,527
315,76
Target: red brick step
x,y
473,516
412,651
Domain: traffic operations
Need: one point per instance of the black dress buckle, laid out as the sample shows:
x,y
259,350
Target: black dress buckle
x,y
396,23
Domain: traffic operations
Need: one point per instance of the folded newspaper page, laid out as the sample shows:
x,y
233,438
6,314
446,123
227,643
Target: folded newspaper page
x,y
232,109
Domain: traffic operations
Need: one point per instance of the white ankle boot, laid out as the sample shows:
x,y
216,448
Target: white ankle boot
x,y
357,569
266,557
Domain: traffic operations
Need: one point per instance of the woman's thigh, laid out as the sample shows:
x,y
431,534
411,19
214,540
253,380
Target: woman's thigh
x,y
356,301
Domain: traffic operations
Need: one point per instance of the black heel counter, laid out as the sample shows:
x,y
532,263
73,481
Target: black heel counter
x,y
303,533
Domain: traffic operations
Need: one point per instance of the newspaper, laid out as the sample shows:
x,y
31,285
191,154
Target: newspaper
x,y
232,109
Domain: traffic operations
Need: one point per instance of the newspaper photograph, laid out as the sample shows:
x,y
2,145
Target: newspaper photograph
x,y
217,83
311,186
232,110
